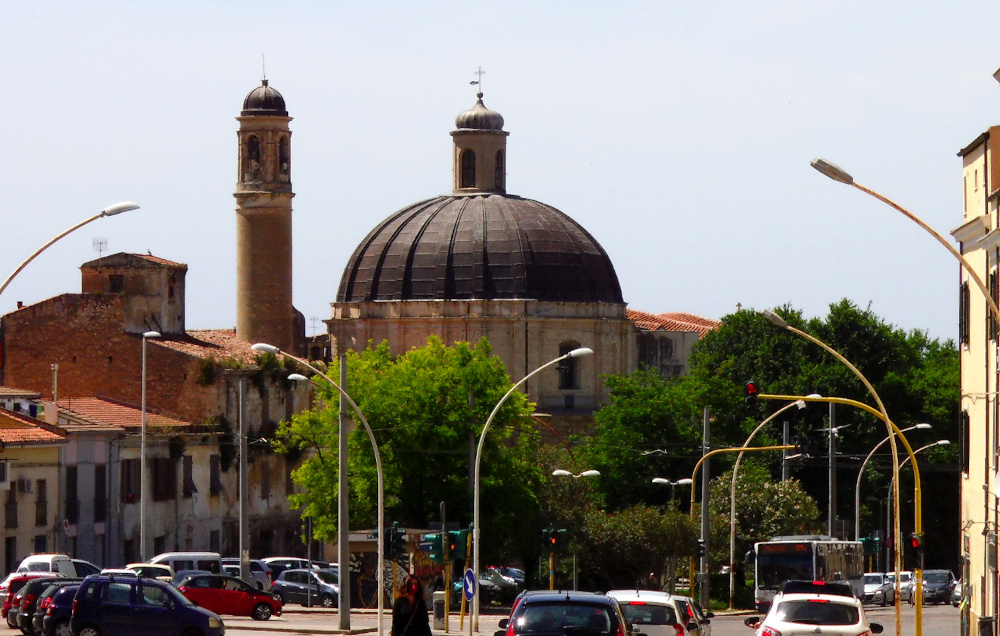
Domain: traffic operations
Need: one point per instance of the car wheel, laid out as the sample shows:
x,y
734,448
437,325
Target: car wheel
x,y
283,599
262,612
89,630
260,586
328,601
62,628
883,600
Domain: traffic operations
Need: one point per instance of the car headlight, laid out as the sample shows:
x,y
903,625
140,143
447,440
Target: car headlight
x,y
214,622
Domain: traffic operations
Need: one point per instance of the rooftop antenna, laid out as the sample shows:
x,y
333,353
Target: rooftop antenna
x,y
100,244
263,68
478,82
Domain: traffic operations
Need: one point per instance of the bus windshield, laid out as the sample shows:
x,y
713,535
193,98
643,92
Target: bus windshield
x,y
774,569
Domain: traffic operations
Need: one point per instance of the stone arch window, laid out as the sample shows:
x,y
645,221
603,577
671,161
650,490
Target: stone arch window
x,y
467,178
501,172
252,167
568,372
284,157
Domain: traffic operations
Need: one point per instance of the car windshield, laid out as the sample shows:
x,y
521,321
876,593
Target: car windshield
x,y
547,618
639,613
326,576
816,612
936,577
871,579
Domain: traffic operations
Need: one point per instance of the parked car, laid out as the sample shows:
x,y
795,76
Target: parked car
x,y
691,612
27,600
805,607
14,585
55,621
878,589
506,589
160,571
278,565
956,594
514,575
938,586
260,573
206,561
653,613
558,613
84,568
905,584
111,605
60,563
307,587
230,595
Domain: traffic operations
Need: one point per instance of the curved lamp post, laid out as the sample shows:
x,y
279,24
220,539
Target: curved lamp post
x,y
732,495
575,353
565,473
142,452
780,322
673,484
857,487
380,575
111,210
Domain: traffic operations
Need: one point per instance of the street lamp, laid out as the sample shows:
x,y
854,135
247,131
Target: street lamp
x,y
380,574
857,487
565,473
575,353
780,322
673,484
111,210
142,451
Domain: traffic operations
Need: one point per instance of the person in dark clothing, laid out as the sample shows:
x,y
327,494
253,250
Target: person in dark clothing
x,y
409,612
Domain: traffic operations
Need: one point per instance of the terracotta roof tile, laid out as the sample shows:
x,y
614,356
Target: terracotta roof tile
x,y
671,321
115,414
17,428
209,343
9,392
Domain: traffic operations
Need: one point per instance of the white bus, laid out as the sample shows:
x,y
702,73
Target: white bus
x,y
803,558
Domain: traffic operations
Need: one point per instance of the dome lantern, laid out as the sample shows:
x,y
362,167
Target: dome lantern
x,y
480,147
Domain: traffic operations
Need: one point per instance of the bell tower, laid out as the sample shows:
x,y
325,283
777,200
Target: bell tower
x,y
264,311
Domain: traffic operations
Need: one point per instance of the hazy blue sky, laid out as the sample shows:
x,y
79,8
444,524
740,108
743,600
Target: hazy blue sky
x,y
679,134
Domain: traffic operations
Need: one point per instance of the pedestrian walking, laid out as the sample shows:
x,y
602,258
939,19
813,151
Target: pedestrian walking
x,y
409,612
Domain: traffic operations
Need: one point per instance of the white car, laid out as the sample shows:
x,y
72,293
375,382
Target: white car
x,y
653,613
879,589
905,584
803,607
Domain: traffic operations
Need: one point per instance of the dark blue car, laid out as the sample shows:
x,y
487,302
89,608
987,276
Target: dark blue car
x,y
108,605
55,621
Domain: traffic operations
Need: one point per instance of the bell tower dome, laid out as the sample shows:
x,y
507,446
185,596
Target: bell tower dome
x,y
480,151
264,311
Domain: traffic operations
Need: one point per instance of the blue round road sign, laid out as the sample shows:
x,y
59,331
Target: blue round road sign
x,y
469,585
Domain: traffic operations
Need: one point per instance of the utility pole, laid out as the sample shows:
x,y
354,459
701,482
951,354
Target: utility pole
x,y
785,435
705,530
343,530
832,508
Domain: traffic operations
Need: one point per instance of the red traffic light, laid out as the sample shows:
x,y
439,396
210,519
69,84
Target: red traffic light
x,y
752,389
915,541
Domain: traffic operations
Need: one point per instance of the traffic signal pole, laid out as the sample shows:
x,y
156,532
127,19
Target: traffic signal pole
x,y
552,570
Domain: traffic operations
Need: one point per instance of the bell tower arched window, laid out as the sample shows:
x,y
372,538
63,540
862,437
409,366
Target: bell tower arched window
x,y
284,157
501,173
468,176
567,368
252,168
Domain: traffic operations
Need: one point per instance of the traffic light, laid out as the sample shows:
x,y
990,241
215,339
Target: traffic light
x,y
435,549
554,540
456,544
701,548
752,391
396,540
915,550
802,445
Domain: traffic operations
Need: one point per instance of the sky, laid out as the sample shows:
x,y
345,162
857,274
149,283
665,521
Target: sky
x,y
678,134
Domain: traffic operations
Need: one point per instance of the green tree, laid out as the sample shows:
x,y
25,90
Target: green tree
x,y
426,408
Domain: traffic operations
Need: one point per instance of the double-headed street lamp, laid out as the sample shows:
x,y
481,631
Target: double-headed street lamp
x,y
380,575
673,484
857,487
575,353
565,473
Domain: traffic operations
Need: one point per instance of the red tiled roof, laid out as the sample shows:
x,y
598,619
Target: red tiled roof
x,y
108,412
17,428
124,259
9,391
671,321
209,343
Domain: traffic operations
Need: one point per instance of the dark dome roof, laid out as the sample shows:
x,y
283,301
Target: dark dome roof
x,y
479,117
485,247
264,100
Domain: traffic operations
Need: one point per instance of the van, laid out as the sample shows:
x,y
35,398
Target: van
x,y
181,561
58,563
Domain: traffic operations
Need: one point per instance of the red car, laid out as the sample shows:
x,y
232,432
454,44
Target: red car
x,y
14,583
229,595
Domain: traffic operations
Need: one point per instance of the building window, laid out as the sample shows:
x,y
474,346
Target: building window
x,y
72,496
189,487
131,489
965,443
501,172
468,169
963,314
130,551
10,508
41,504
567,367
100,493
10,553
215,476
991,323
215,541
164,479
265,481
284,157
252,167
41,544
159,544
116,283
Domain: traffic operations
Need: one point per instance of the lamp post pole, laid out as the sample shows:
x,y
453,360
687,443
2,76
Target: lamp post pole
x,y
111,210
344,606
857,487
575,353
142,453
780,322
565,473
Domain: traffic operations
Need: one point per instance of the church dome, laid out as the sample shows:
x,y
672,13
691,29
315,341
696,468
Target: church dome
x,y
264,100
488,247
479,117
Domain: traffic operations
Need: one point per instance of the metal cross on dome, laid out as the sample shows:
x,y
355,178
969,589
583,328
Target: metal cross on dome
x,y
478,82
